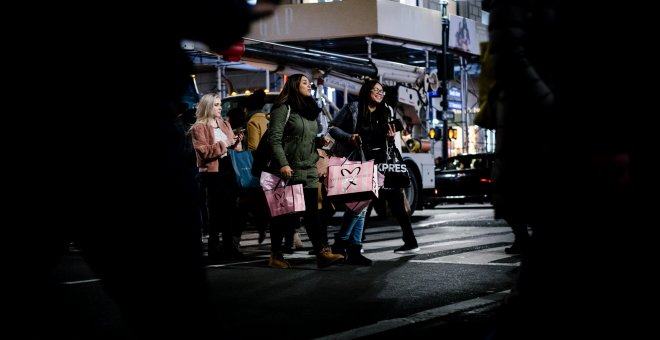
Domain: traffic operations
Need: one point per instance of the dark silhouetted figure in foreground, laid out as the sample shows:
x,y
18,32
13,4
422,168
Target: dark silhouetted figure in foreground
x,y
117,180
573,211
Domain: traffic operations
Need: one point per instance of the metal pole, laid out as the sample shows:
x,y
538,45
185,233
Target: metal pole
x,y
267,81
221,84
445,85
428,120
464,106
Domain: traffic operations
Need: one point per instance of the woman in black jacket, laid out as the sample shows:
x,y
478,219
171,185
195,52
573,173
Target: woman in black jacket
x,y
367,121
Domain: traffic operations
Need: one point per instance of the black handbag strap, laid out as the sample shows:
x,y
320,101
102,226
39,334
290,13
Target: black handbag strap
x,y
286,182
363,159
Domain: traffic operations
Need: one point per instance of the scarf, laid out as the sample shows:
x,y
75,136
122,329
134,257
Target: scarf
x,y
309,108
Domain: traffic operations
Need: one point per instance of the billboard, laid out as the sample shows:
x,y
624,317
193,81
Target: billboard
x,y
463,35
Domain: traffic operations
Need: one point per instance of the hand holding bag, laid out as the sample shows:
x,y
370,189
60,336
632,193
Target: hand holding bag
x,y
282,199
270,181
352,180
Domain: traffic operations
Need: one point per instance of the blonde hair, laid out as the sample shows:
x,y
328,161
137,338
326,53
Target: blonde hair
x,y
204,111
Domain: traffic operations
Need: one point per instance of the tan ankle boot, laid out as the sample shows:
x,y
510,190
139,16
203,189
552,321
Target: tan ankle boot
x,y
325,257
277,261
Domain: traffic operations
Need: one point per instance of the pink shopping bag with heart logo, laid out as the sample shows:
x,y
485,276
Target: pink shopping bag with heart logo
x,y
352,181
361,205
282,199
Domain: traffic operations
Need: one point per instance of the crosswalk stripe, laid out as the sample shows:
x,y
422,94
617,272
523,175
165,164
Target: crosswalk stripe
x,y
454,245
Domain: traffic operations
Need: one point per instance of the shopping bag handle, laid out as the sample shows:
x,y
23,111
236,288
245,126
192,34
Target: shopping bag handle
x,y
286,181
363,159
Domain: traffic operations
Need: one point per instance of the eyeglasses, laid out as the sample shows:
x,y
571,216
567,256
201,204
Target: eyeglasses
x,y
378,92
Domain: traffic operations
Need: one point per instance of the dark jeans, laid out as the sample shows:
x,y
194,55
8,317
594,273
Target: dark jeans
x,y
221,201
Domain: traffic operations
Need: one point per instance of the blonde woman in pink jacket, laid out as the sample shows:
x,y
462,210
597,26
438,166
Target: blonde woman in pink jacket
x,y
212,137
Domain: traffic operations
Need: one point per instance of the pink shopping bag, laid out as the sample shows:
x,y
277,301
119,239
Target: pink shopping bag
x,y
358,206
352,181
269,181
285,200
361,205
340,160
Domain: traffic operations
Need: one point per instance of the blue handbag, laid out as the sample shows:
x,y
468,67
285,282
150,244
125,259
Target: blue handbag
x,y
241,161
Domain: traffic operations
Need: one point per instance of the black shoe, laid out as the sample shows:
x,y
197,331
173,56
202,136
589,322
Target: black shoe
x,y
288,250
355,256
407,249
516,248
262,236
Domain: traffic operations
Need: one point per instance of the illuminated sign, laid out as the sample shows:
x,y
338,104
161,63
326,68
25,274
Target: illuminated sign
x,y
454,105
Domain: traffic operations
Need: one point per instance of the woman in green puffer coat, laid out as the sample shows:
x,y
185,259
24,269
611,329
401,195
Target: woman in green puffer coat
x,y
293,140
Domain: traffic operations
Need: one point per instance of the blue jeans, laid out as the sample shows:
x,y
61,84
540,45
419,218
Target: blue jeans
x,y
352,226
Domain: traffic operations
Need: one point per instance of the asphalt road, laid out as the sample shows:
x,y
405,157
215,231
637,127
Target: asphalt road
x,y
461,268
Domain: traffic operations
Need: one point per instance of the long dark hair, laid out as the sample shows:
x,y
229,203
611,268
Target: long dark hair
x,y
290,93
305,106
364,97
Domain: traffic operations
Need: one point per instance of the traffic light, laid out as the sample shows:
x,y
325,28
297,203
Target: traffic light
x,y
452,133
435,133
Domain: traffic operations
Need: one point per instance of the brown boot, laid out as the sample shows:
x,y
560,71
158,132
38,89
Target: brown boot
x,y
277,261
325,257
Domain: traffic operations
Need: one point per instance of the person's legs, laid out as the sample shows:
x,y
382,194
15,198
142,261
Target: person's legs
x,y
288,239
213,201
260,213
357,221
354,249
396,204
347,225
203,208
346,232
324,256
278,226
366,218
290,231
312,219
241,212
326,212
521,236
226,206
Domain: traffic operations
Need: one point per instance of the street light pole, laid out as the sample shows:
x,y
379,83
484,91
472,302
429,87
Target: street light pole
x,y
445,90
